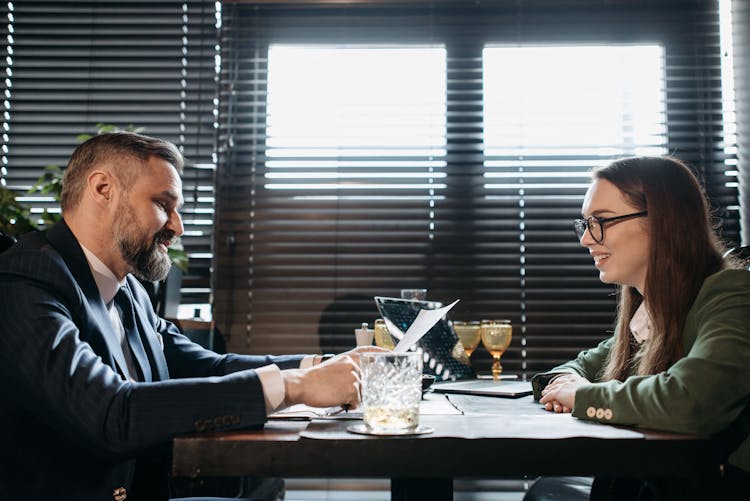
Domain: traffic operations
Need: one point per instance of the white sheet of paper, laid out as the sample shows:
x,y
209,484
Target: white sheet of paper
x,y
421,325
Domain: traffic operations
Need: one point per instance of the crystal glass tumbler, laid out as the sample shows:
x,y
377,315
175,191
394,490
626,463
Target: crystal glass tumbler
x,y
391,391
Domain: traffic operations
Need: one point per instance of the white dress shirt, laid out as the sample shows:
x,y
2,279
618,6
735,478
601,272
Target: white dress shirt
x,y
108,286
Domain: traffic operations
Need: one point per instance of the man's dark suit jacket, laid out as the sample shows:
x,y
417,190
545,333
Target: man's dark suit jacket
x,y
71,424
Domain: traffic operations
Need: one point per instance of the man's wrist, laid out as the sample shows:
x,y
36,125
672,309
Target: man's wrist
x,y
292,385
272,382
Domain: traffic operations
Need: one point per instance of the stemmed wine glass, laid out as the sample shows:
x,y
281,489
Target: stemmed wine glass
x,y
468,334
382,335
496,336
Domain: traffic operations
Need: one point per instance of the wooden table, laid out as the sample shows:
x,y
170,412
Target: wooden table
x,y
494,437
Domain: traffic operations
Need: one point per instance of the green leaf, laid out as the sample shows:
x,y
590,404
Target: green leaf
x,y
15,218
177,255
50,182
102,128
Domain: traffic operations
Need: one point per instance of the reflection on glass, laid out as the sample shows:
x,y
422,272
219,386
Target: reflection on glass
x,y
496,336
391,391
469,335
416,294
383,338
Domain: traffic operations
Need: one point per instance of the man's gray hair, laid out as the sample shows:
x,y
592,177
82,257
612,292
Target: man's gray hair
x,y
131,150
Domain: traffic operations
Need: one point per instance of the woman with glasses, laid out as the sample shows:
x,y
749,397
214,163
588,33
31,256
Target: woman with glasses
x,y
679,359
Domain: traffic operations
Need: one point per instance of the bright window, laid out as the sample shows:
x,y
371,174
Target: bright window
x,y
367,119
597,100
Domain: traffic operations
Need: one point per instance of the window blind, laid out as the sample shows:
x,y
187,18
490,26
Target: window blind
x,y
75,64
740,43
494,228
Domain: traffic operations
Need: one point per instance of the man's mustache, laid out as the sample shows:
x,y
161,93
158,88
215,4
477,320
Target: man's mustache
x,y
164,237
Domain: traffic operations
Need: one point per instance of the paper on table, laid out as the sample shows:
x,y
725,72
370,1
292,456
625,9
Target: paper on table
x,y
423,323
302,411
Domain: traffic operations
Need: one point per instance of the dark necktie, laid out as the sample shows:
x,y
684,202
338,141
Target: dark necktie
x,y
124,301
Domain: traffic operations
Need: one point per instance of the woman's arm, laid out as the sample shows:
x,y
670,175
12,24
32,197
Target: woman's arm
x,y
588,365
703,392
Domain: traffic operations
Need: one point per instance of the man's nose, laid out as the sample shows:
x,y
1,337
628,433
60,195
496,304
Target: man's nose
x,y
175,223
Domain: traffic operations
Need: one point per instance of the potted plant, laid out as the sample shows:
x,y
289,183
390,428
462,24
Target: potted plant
x,y
15,218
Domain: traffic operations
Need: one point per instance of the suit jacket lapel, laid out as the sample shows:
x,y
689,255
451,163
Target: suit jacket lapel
x,y
63,240
150,341
135,333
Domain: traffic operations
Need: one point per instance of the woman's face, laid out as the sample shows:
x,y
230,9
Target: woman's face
x,y
622,257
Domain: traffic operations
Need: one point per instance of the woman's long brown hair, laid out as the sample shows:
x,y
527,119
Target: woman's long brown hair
x,y
684,250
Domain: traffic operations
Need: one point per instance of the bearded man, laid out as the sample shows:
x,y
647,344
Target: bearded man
x,y
92,379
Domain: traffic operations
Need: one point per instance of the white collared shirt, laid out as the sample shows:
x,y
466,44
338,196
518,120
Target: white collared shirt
x,y
640,325
108,285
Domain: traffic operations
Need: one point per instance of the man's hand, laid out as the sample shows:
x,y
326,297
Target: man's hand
x,y
560,394
335,382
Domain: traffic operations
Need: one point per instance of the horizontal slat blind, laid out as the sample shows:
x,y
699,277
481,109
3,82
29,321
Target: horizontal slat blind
x,y
740,12
540,143
298,274
75,64
7,20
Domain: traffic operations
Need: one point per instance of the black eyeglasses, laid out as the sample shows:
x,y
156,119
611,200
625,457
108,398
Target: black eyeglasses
x,y
595,225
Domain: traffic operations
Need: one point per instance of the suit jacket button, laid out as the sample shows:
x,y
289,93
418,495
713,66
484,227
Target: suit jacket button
x,y
120,494
200,425
599,413
591,412
235,419
608,414
226,421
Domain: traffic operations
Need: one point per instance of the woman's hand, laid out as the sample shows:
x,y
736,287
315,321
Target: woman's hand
x,y
560,394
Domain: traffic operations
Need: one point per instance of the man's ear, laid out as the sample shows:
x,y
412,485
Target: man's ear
x,y
101,187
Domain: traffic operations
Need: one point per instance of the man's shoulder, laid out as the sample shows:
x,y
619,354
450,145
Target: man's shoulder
x,y
32,257
33,240
31,245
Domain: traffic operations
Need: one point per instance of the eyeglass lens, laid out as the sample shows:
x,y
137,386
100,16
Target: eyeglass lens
x,y
593,226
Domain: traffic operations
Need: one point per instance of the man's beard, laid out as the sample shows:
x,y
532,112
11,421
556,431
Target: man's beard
x,y
145,258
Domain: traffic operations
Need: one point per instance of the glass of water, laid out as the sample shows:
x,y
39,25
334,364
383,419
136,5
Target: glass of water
x,y
391,391
418,294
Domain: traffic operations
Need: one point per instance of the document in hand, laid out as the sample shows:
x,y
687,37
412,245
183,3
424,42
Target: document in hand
x,y
425,320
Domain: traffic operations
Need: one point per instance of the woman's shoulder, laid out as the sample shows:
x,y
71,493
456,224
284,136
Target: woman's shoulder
x,y
724,284
738,277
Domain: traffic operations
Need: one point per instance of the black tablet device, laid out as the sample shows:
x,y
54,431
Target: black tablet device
x,y
442,352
